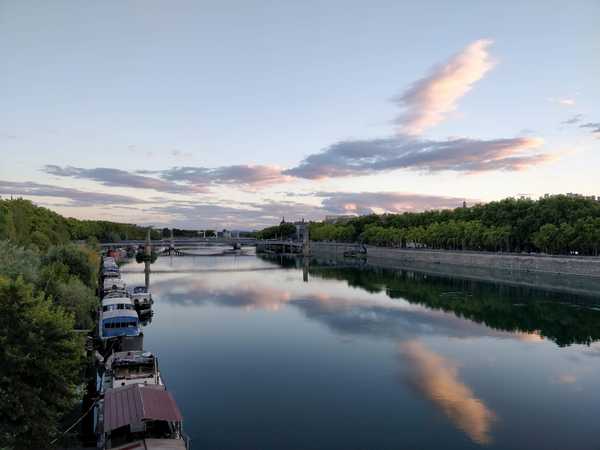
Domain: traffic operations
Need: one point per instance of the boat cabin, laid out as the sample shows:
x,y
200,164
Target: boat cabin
x,y
121,320
116,303
111,273
141,416
113,284
117,293
132,367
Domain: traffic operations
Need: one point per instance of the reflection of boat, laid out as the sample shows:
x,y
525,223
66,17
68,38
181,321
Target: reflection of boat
x,y
140,416
141,297
133,367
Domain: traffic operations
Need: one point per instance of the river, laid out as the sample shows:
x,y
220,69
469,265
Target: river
x,y
274,354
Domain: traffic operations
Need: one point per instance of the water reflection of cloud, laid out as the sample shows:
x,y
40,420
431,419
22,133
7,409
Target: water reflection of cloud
x,y
437,379
566,378
243,295
348,315
534,337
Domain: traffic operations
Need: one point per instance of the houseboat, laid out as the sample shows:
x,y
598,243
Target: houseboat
x,y
113,284
117,293
132,367
118,318
111,272
140,416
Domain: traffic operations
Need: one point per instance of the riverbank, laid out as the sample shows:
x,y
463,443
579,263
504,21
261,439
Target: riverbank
x,y
566,265
578,275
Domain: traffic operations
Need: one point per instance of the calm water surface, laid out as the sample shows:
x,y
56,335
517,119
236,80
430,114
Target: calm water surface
x,y
362,358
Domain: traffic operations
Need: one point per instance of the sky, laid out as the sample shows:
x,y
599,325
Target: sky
x,y
232,114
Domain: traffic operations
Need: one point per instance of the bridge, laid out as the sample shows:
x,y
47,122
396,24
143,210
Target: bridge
x,y
183,242
186,246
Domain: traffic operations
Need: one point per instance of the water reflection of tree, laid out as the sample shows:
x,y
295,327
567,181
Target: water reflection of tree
x,y
558,317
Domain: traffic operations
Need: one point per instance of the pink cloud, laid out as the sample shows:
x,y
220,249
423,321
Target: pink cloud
x,y
438,379
428,101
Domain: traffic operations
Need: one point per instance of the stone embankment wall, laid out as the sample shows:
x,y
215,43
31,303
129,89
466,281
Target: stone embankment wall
x,y
332,248
568,265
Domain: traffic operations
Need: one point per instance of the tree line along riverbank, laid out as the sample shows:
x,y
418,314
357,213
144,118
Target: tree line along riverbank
x,y
559,224
47,292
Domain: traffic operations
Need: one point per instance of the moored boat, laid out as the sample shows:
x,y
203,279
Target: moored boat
x,y
118,318
143,416
130,367
117,293
113,284
141,298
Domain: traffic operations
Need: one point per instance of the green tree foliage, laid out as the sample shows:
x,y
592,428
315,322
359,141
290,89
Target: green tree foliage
x,y
79,261
68,291
40,358
282,231
332,232
17,261
559,224
46,289
67,275
26,224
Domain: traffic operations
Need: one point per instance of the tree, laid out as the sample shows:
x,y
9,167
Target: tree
x,y
81,262
546,238
40,357
17,261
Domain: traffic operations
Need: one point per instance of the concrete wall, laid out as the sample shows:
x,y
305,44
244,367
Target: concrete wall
x,y
587,266
571,265
332,248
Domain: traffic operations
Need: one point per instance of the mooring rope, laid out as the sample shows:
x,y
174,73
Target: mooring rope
x,y
76,422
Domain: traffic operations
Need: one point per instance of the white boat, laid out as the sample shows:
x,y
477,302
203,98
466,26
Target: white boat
x,y
118,318
116,293
111,273
113,284
132,367
141,297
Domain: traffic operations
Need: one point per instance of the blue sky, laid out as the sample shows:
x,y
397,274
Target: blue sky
x,y
294,108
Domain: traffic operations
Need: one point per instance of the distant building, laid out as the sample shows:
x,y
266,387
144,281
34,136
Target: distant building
x,y
301,230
